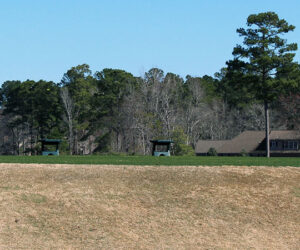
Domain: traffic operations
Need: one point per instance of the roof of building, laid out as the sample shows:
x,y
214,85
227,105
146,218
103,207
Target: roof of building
x,y
202,146
284,134
247,141
161,141
50,140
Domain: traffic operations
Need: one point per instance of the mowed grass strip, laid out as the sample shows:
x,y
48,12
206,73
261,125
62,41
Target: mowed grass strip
x,y
138,207
156,161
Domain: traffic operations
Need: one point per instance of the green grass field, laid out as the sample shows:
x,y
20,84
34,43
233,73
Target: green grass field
x,y
155,161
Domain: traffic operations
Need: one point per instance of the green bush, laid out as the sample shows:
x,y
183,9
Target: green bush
x,y
179,146
244,153
212,152
183,149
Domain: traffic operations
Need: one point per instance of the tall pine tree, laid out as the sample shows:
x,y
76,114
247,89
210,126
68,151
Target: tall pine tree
x,y
264,55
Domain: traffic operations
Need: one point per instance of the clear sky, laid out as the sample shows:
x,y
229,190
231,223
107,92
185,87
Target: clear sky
x,y
42,39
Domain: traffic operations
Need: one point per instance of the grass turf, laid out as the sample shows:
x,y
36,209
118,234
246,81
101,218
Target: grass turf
x,y
155,161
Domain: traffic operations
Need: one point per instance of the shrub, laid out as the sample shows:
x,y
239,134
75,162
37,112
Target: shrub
x,y
180,147
244,153
212,152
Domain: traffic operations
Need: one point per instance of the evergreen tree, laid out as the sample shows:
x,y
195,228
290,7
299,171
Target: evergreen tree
x,y
259,66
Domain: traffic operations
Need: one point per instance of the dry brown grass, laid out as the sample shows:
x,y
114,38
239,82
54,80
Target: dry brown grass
x,y
130,207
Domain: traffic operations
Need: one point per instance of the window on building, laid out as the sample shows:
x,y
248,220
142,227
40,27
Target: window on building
x,y
276,145
291,145
161,148
295,145
273,145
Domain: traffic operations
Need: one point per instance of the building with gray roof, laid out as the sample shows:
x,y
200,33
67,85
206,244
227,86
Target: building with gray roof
x,y
282,143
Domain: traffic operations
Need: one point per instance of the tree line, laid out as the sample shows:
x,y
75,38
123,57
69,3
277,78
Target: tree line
x,y
113,111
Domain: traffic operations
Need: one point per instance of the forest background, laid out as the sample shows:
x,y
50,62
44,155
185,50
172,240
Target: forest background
x,y
112,111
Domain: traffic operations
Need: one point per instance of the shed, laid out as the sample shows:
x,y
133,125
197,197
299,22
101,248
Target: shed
x,y
50,146
161,147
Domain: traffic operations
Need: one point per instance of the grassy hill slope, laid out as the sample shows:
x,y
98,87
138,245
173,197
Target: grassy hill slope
x,y
118,207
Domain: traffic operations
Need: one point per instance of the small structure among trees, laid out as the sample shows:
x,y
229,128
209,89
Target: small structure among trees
x,y
50,146
161,147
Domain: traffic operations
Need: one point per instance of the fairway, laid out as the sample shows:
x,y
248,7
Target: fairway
x,y
148,207
155,161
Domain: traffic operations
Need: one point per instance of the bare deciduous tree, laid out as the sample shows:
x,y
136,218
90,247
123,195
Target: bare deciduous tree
x,y
68,114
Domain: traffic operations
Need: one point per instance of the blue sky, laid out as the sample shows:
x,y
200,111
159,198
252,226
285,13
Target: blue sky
x,y
42,39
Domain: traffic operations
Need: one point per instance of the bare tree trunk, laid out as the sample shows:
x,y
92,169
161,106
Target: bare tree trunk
x,y
144,143
76,142
90,145
267,122
23,145
71,136
69,109
31,139
18,144
118,140
267,128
